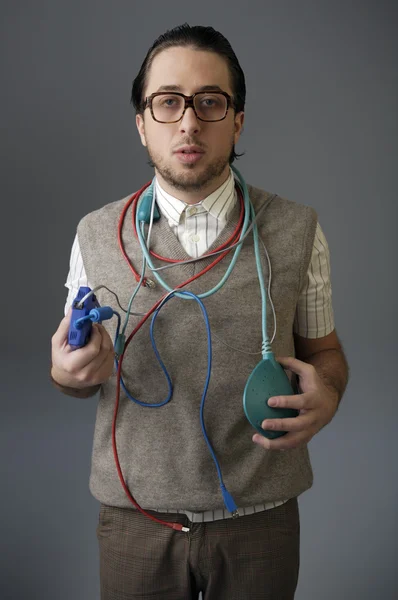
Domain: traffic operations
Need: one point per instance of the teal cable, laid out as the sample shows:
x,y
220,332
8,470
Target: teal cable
x,y
231,265
126,320
249,212
266,347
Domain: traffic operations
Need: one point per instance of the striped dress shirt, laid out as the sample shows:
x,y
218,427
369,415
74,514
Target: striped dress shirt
x,y
196,227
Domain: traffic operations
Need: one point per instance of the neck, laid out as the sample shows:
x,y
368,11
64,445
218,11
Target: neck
x,y
193,196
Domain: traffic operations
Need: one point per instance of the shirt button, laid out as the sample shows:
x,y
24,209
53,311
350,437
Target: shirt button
x,y
195,238
192,211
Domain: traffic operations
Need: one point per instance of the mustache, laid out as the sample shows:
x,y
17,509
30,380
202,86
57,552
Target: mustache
x,y
189,143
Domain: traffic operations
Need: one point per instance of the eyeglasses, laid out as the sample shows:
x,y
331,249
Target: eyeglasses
x,y
170,107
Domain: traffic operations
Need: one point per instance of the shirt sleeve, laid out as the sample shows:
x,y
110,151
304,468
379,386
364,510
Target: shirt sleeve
x,y
314,314
76,276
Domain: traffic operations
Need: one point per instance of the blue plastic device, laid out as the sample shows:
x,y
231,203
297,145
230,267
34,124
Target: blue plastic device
x,y
267,379
79,335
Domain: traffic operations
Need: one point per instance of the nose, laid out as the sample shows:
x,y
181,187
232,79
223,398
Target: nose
x,y
189,122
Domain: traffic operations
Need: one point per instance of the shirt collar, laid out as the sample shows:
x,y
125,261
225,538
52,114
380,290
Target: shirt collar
x,y
218,204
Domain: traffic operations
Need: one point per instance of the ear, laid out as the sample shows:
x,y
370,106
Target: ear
x,y
239,119
139,121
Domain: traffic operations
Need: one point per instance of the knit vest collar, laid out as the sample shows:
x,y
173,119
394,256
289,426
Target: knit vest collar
x,y
165,243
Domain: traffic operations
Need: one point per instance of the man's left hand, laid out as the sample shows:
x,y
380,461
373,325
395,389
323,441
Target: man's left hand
x,y
317,404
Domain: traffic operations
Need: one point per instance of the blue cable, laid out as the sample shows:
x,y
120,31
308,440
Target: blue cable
x,y
228,500
106,312
170,385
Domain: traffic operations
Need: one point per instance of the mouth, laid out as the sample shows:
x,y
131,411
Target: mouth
x,y
190,150
189,154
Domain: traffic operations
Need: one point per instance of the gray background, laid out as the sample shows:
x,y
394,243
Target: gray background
x,y
321,129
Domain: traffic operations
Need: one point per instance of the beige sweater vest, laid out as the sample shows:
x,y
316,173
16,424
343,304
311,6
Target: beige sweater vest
x,y
164,458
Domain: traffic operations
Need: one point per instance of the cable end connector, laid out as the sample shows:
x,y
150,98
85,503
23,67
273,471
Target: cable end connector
x,y
179,527
229,502
235,514
101,313
266,349
119,345
149,283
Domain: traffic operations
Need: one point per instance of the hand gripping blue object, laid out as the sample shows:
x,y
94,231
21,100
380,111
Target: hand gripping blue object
x,y
84,316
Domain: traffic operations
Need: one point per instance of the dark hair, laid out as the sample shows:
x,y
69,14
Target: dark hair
x,y
198,38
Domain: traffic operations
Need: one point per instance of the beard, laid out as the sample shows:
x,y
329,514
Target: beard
x,y
194,178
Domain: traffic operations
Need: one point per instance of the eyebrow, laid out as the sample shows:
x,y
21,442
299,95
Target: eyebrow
x,y
178,88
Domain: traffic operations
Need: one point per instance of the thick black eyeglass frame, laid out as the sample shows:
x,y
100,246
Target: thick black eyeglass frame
x,y
188,104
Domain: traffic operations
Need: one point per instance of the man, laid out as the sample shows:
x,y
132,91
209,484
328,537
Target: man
x,y
164,459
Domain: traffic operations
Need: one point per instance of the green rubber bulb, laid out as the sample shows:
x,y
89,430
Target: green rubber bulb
x,y
267,379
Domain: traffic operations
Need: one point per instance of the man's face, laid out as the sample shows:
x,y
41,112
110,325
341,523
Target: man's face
x,y
190,70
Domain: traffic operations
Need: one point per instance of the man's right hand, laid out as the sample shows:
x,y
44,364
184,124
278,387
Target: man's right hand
x,y
85,367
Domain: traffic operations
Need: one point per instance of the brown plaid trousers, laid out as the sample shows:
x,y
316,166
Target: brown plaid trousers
x,y
255,557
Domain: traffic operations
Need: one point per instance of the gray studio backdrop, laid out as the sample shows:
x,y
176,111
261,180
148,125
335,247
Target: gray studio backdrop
x,y
320,129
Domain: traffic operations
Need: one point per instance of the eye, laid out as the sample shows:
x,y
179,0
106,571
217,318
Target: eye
x,y
168,101
208,102
211,101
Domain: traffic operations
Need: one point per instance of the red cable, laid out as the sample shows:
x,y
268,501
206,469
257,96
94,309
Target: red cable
x,y
234,238
176,526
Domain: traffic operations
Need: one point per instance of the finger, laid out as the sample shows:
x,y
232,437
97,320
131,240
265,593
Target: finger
x,y
300,423
295,365
285,442
106,350
297,401
99,369
61,335
105,354
106,341
81,357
